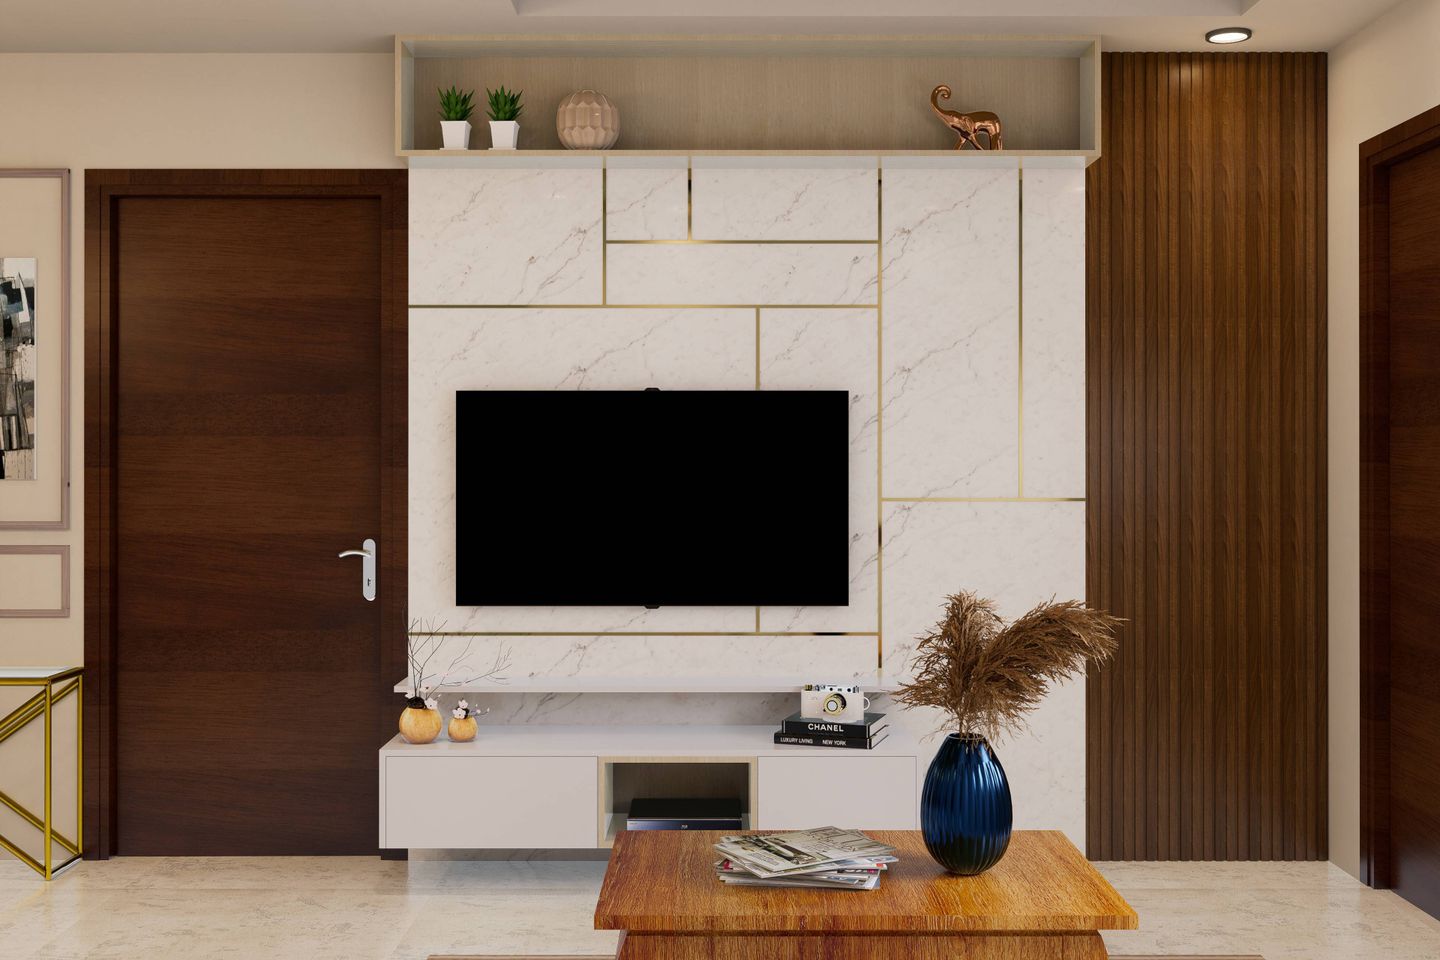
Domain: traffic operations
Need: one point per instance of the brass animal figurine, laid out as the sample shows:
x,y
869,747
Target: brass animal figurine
x,y
967,125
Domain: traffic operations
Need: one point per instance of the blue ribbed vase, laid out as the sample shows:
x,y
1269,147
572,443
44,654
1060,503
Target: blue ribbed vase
x,y
965,811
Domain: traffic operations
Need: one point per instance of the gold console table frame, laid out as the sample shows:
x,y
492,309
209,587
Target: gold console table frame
x,y
56,684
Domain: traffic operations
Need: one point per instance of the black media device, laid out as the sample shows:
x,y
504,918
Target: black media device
x,y
683,814
652,498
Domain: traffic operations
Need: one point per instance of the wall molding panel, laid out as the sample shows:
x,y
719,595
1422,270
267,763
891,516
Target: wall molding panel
x,y
1206,318
35,580
898,279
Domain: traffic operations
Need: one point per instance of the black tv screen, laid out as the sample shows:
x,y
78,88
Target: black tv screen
x,y
651,498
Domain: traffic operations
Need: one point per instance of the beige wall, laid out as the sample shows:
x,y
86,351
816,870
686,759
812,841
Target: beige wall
x,y
164,110
1386,73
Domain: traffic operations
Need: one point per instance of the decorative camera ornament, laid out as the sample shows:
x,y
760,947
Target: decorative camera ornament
x,y
836,702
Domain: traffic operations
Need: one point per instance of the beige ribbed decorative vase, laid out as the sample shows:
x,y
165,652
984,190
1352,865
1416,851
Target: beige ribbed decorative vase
x,y
587,121
419,725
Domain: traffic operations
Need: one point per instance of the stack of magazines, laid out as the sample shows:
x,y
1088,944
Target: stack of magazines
x,y
825,858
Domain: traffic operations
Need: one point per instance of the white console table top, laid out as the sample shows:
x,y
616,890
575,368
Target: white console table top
x,y
671,740
874,683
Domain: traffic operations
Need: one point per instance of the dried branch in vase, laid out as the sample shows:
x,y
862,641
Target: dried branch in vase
x,y
423,640
987,675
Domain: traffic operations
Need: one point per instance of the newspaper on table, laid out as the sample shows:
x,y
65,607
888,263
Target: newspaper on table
x,y
800,852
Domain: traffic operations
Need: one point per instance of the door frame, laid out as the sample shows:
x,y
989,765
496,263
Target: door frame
x,y
103,189
1377,156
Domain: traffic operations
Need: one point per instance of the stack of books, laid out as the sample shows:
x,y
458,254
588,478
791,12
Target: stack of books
x,y
827,733
826,858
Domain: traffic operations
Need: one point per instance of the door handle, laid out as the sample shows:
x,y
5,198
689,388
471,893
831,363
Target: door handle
x,y
367,567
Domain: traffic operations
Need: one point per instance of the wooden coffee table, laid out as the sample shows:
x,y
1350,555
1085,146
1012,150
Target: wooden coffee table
x,y
1044,901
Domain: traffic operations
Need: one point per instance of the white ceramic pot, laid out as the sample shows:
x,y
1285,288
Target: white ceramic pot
x,y
503,134
456,134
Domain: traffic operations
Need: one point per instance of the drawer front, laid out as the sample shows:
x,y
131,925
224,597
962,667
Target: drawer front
x,y
441,803
866,793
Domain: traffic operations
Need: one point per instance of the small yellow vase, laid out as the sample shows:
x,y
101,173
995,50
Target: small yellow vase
x,y
418,725
462,730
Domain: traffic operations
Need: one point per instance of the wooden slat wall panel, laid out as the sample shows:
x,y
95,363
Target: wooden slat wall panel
x,y
1206,382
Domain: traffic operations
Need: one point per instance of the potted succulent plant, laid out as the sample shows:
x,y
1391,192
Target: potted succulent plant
x,y
455,110
986,675
505,110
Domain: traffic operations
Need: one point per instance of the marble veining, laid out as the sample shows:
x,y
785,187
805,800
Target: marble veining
x,y
506,235
1018,554
612,655
832,350
784,199
646,198
950,387
1053,272
551,349
742,273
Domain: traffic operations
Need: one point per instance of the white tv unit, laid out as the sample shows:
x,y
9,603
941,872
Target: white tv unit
x,y
542,786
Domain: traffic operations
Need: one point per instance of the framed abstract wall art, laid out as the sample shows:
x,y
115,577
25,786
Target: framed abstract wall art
x,y
34,349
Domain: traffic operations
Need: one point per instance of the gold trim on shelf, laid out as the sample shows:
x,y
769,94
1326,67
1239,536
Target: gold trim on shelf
x,y
42,705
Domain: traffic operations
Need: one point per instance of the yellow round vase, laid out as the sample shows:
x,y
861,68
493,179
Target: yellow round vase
x,y
462,731
419,725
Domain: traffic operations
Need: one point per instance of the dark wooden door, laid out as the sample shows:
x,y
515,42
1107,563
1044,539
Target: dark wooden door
x,y
248,452
1401,522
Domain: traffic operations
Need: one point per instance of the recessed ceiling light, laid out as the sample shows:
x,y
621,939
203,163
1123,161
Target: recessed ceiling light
x,y
1228,35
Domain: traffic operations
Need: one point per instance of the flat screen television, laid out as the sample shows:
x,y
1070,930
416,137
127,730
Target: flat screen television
x,y
651,498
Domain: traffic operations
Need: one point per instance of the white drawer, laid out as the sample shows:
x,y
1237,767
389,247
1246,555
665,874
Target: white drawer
x,y
440,802
866,793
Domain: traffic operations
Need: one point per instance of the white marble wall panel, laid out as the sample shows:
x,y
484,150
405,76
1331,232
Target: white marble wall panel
x,y
832,350
950,387
1018,554
502,234
1054,331
647,198
556,349
785,198
784,275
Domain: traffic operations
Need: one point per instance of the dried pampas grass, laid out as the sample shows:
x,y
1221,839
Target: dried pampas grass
x,y
987,675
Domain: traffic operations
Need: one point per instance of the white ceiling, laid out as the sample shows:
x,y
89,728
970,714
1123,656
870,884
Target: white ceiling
x,y
313,26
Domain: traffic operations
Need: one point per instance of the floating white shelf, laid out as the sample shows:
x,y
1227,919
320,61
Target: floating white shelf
x,y
670,740
874,683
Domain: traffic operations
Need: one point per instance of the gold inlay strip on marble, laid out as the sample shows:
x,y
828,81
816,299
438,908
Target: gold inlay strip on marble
x,y
643,306
642,633
1020,333
879,414
690,241
983,499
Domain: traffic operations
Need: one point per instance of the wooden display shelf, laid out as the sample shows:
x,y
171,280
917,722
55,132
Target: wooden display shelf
x,y
763,95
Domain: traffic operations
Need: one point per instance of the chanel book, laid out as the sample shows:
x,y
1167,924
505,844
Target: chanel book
x,y
797,725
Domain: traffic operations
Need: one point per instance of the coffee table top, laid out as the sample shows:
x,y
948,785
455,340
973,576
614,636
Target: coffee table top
x,y
664,881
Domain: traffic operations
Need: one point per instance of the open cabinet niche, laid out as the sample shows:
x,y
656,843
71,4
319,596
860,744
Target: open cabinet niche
x,y
623,779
